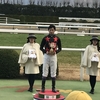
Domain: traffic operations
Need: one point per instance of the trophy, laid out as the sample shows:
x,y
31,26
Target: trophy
x,y
52,46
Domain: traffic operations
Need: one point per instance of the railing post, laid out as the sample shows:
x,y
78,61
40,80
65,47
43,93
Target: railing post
x,y
81,68
6,20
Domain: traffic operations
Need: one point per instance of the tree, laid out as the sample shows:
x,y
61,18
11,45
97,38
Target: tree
x,y
64,3
17,2
76,3
30,2
1,1
48,3
41,3
87,3
54,3
4,1
13,1
33,2
99,5
7,1
38,3
60,4
95,4
81,4
68,2
21,2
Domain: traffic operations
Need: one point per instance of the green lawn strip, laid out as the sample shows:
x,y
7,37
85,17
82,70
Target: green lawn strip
x,y
65,87
68,41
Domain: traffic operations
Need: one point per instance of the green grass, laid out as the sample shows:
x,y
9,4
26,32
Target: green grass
x,y
68,41
9,93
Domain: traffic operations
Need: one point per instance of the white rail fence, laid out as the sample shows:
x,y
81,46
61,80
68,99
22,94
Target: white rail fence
x,y
69,24
63,29
65,49
58,26
77,19
44,32
7,20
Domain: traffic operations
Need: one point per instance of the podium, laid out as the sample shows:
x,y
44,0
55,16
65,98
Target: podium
x,y
48,95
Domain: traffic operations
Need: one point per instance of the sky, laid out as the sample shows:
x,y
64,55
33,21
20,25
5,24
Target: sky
x,y
25,2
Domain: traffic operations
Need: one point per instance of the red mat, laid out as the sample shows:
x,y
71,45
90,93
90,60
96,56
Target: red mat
x,y
49,92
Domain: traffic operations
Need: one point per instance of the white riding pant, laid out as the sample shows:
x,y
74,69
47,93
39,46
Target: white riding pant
x,y
49,61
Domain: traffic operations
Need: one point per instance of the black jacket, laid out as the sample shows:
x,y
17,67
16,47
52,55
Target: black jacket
x,y
47,40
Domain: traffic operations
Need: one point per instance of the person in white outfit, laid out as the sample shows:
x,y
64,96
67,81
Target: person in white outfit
x,y
31,57
91,61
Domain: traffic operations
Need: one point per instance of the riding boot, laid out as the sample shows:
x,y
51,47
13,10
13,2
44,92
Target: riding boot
x,y
53,84
43,84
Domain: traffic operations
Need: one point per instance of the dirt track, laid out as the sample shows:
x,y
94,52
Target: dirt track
x,y
72,73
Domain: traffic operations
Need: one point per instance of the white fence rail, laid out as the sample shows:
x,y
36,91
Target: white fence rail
x,y
46,26
7,20
66,49
44,32
87,19
69,24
